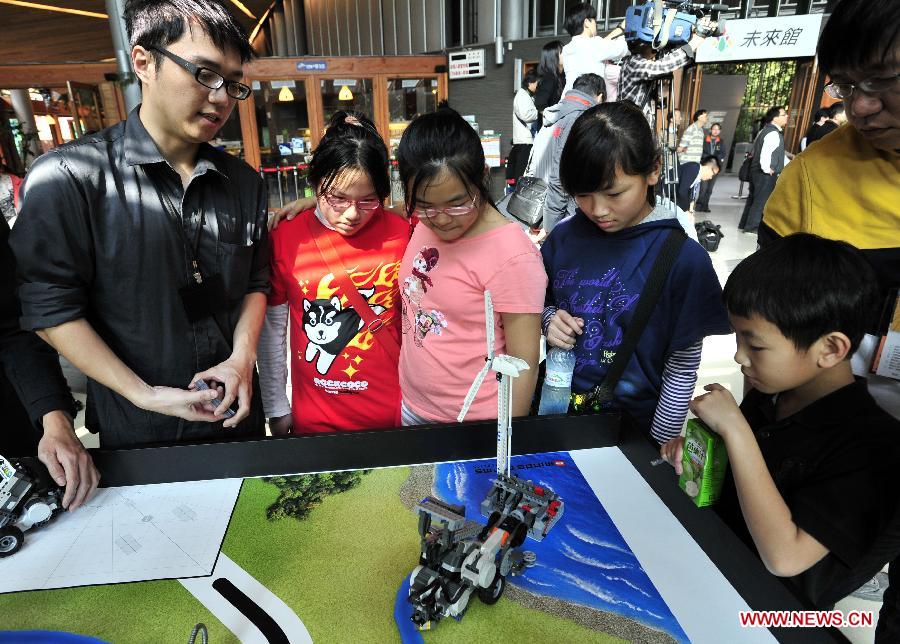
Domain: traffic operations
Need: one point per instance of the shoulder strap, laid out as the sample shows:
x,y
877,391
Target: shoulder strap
x,y
647,302
332,260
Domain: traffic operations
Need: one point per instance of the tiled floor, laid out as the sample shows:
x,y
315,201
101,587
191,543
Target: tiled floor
x,y
717,364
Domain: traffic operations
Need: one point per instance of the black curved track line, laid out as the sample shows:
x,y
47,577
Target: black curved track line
x,y
252,611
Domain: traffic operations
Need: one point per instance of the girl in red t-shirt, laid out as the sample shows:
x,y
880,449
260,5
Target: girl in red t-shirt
x,y
335,267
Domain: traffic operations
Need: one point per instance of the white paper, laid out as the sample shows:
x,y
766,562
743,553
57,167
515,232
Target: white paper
x,y
127,534
682,573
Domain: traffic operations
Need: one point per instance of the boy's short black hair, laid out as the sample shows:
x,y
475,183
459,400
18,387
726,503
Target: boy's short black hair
x,y
576,15
859,33
806,286
159,23
711,158
590,84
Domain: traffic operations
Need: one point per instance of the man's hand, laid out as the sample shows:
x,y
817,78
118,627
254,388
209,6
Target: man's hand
x,y
290,211
281,425
671,452
719,411
236,375
181,403
562,330
67,461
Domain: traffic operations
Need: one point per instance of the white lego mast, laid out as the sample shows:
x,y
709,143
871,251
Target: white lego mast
x,y
507,368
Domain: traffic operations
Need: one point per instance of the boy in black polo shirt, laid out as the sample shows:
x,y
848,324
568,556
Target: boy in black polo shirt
x,y
814,461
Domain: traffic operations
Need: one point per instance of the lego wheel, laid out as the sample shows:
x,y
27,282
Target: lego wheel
x,y
492,593
11,539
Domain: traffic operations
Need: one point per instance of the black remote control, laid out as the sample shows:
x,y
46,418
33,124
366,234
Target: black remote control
x,y
202,386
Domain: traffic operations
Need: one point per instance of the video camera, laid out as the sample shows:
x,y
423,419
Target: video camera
x,y
662,23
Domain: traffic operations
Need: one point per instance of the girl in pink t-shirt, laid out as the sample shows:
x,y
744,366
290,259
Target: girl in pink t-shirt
x,y
461,248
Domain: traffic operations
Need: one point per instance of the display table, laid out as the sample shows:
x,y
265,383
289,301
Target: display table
x,y
324,556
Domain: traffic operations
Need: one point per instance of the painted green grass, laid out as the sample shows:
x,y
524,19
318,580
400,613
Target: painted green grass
x,y
156,611
339,570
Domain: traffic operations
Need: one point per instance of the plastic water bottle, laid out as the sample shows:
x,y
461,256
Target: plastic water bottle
x,y
557,387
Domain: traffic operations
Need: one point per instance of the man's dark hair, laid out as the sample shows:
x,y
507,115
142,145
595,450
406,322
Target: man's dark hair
x,y
710,158
351,142
577,14
439,142
835,108
159,23
529,77
607,138
806,286
858,34
590,84
698,114
772,113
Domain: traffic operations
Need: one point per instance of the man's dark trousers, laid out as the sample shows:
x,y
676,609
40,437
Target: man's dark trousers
x,y
761,186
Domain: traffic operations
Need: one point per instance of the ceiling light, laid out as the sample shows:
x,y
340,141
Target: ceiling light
x,y
50,7
244,10
285,95
345,94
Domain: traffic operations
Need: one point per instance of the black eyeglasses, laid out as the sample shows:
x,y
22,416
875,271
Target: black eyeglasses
x,y
207,77
869,86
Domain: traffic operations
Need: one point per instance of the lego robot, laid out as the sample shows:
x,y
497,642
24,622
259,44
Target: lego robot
x,y
460,557
29,498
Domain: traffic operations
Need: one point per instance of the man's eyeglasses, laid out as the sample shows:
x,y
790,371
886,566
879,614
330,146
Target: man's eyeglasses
x,y
207,77
452,211
869,86
340,204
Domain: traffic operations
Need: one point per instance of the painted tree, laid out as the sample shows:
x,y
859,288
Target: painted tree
x,y
300,494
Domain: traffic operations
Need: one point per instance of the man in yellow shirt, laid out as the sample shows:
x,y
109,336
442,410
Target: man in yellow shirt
x,y
847,187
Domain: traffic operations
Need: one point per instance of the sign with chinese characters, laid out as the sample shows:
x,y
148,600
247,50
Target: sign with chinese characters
x,y
466,64
763,39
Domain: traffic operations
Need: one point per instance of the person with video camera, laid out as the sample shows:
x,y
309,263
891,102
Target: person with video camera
x,y
641,69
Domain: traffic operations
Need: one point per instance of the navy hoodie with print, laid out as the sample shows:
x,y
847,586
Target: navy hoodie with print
x,y
599,276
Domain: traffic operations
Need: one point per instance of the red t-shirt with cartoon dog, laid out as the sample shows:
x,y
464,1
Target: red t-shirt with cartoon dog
x,y
344,377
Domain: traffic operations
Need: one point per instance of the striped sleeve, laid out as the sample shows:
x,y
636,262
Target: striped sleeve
x,y
678,380
546,316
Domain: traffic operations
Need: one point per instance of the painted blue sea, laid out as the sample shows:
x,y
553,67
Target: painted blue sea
x,y
584,559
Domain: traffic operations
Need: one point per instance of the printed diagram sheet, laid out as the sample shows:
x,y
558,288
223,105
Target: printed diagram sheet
x,y
124,534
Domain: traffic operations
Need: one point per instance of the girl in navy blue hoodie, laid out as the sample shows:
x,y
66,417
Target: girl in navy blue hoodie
x,y
598,261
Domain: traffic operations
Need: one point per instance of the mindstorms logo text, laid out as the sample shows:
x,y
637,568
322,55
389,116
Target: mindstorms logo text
x,y
483,469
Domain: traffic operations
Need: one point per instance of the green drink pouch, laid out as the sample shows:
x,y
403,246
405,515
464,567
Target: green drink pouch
x,y
704,461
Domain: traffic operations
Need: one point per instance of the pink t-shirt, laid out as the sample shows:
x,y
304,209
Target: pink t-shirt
x,y
442,289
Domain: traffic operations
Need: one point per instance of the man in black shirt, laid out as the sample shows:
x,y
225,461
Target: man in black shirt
x,y
142,250
837,116
35,398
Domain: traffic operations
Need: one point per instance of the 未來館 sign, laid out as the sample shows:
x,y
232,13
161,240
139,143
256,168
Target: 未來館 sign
x,y
763,39
466,64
